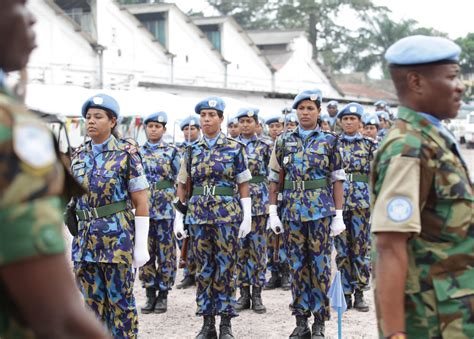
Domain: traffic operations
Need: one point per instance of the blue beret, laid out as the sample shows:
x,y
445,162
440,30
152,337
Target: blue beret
x,y
370,119
276,118
210,103
325,117
382,103
247,112
160,117
421,49
383,115
352,108
193,121
102,101
292,117
311,94
332,103
233,121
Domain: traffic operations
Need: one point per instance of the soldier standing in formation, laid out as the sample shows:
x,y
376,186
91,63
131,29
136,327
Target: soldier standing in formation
x,y
161,163
251,263
111,241
371,126
423,198
352,245
275,126
192,134
311,210
38,296
233,128
217,168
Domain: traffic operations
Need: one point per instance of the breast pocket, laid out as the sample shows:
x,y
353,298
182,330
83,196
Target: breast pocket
x,y
318,157
451,184
223,164
105,181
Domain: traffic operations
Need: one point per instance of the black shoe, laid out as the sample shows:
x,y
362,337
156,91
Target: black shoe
x,y
301,330
318,329
225,328
285,278
274,281
161,302
244,301
150,301
359,302
348,298
186,282
257,304
208,330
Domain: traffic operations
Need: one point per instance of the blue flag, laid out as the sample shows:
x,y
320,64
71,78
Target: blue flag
x,y
336,294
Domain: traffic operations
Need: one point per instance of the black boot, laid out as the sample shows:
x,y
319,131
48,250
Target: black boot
x,y
257,304
244,301
225,328
150,300
186,282
318,329
359,302
161,302
285,278
208,330
348,298
274,281
302,330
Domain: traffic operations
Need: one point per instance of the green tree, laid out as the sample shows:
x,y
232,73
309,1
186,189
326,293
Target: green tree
x,y
467,55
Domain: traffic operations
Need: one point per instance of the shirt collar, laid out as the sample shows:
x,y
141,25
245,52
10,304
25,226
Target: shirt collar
x,y
356,136
111,144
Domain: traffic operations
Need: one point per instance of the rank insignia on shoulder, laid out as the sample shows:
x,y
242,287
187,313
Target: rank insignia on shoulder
x,y
34,145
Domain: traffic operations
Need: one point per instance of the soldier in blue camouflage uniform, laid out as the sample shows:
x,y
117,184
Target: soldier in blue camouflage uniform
x,y
161,163
251,259
291,121
325,122
371,126
111,241
38,296
279,270
352,245
218,167
311,210
384,123
192,133
233,129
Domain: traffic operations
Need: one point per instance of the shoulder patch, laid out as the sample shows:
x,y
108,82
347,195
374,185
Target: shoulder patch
x,y
128,146
34,145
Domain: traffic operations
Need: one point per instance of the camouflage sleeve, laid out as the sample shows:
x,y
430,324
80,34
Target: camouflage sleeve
x,y
176,163
274,166
241,166
136,179
395,184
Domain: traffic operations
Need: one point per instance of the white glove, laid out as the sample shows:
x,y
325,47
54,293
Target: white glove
x,y
337,225
140,250
178,226
274,221
246,225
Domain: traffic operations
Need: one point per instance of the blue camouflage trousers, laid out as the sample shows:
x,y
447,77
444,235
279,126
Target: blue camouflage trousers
x,y
273,266
215,249
160,271
108,290
309,257
353,246
251,255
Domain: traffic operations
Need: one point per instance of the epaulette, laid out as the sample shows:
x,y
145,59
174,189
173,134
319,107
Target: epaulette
x,y
78,150
131,147
266,141
334,134
237,141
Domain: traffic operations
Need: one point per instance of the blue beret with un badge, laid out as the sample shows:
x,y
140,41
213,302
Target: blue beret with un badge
x,y
381,103
370,119
421,49
233,121
276,118
352,108
102,101
312,94
190,121
325,117
247,112
332,103
382,115
210,103
160,117
292,117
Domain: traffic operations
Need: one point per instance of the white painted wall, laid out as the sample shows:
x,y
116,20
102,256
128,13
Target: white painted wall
x,y
63,56
202,66
246,70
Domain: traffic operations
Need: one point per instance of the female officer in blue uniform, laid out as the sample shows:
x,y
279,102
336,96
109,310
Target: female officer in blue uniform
x,y
111,240
217,167
251,258
311,206
352,245
161,163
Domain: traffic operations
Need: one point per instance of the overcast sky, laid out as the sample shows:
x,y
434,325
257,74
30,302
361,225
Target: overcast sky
x,y
455,17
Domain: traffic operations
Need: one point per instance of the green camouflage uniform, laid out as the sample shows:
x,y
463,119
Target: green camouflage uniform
x,y
439,291
31,182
